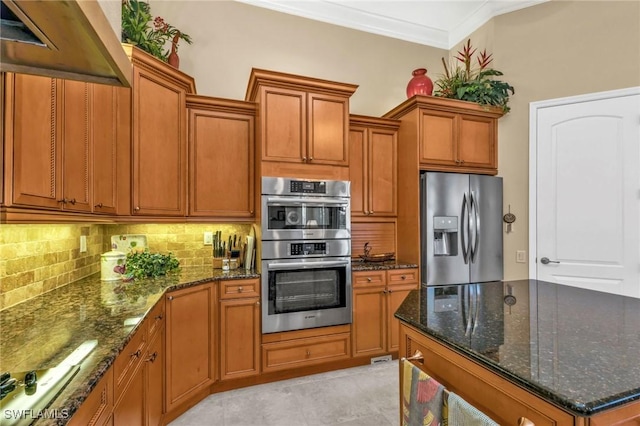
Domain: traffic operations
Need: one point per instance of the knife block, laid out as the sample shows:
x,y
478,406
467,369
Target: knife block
x,y
217,263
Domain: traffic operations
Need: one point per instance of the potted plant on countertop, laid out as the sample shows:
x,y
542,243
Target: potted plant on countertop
x,y
139,29
473,83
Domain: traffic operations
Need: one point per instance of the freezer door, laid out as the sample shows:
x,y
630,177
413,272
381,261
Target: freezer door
x,y
444,196
486,228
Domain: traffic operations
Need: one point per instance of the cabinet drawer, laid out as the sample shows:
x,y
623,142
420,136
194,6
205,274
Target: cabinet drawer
x,y
304,352
155,319
128,361
402,276
500,399
369,278
98,406
233,289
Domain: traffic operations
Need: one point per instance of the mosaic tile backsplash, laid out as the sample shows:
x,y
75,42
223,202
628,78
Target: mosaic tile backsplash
x,y
35,259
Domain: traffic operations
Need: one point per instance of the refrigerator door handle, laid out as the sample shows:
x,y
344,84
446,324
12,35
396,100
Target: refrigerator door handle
x,y
476,302
476,219
464,229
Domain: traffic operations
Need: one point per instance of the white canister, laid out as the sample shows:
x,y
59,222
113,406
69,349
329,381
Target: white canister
x,y
112,265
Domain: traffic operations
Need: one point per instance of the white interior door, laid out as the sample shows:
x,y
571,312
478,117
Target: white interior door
x,y
587,191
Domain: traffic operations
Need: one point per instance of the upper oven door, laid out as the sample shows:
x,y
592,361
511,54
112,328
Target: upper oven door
x,y
305,217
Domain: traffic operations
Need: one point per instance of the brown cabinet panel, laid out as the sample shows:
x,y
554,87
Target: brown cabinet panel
x,y
104,136
97,408
128,361
159,146
383,173
303,352
130,410
76,152
239,337
439,131
221,158
33,129
154,380
358,171
395,296
283,129
191,342
477,146
234,289
369,322
328,131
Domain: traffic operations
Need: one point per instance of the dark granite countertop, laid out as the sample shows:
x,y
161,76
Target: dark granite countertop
x,y
576,348
360,265
40,332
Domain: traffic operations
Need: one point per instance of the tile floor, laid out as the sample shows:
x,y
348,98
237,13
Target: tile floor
x,y
359,396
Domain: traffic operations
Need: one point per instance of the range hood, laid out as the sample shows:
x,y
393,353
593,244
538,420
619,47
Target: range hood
x,y
69,39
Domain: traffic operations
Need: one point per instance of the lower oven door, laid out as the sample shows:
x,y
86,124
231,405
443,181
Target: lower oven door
x,y
305,293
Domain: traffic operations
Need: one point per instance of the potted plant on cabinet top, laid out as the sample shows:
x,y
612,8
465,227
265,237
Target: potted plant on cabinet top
x,y
470,83
136,29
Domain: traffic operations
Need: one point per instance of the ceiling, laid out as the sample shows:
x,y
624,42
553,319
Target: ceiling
x,y
436,23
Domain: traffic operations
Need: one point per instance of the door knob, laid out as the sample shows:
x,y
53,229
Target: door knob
x,y
545,261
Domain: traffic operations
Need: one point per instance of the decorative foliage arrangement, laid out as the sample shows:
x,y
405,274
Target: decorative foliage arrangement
x,y
473,83
143,264
136,29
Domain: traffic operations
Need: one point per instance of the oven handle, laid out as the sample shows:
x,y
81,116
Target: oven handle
x,y
295,201
307,265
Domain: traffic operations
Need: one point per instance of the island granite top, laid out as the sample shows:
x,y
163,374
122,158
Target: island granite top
x,y
577,348
39,333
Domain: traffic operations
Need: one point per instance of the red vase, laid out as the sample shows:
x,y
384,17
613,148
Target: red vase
x,y
174,59
420,84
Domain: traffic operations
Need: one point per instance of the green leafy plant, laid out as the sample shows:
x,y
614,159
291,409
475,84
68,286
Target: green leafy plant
x,y
144,264
150,36
473,83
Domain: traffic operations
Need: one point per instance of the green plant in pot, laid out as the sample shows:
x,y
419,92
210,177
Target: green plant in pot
x,y
144,264
473,83
147,33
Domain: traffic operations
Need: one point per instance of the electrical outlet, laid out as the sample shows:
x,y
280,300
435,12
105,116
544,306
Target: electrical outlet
x,y
208,238
521,256
83,243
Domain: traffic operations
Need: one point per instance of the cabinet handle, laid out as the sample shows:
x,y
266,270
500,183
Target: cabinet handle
x,y
304,159
136,208
170,297
461,161
370,212
63,201
159,317
310,158
308,353
403,277
72,201
258,303
523,421
368,279
385,291
152,357
136,354
390,291
240,289
99,205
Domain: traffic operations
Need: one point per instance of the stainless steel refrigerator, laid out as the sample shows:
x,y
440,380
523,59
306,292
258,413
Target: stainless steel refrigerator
x,y
461,226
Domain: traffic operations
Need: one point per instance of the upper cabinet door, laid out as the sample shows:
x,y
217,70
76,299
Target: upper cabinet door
x,y
283,129
477,142
159,145
383,172
76,176
31,133
221,158
358,171
439,133
328,137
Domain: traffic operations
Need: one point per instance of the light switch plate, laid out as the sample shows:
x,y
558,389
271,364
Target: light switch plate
x,y
521,256
83,243
208,238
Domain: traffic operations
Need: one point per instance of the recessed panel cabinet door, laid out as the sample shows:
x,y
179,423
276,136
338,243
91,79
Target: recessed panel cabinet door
x,y
382,172
76,176
104,109
284,125
221,164
37,169
358,171
328,130
159,146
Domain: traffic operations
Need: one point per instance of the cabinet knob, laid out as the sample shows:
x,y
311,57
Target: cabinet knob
x,y
258,303
403,277
385,291
63,201
136,354
523,421
152,357
159,317
304,159
240,289
390,291
170,297
370,212
99,205
310,158
308,353
369,279
72,201
136,208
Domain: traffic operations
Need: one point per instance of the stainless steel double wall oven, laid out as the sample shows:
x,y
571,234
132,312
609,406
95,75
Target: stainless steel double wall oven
x,y
306,253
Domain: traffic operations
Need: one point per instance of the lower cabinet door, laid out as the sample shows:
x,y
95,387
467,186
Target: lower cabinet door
x,y
154,372
369,321
239,338
130,409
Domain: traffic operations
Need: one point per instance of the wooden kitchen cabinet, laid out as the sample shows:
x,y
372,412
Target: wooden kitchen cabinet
x,y
373,166
451,135
239,328
376,297
159,136
191,335
221,158
303,124
97,409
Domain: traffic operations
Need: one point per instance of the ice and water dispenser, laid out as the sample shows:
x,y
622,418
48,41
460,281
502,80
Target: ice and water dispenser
x,y
445,235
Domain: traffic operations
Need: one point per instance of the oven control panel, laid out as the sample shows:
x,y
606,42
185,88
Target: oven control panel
x,y
306,249
308,187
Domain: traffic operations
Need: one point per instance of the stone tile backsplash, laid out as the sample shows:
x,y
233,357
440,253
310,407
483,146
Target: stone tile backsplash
x,y
35,259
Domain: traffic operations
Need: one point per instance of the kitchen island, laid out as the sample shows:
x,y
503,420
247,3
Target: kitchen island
x,y
553,354
95,319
